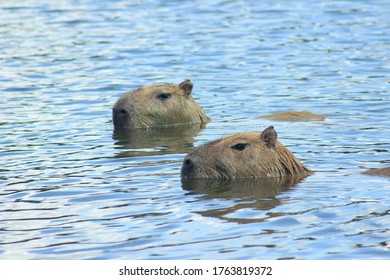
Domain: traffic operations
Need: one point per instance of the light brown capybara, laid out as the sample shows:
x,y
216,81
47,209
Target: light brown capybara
x,y
243,155
294,116
157,106
378,171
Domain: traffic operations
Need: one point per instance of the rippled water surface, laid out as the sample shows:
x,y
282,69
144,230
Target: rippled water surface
x,y
71,189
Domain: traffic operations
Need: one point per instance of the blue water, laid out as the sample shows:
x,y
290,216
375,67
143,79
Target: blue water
x,y
71,189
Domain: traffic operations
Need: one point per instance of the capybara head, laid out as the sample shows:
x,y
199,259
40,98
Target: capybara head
x,y
243,155
156,106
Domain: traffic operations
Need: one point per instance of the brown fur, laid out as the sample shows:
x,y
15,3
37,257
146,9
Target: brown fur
x,y
378,171
243,155
294,116
156,106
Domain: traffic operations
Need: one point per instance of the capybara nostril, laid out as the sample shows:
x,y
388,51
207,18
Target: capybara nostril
x,y
188,168
188,163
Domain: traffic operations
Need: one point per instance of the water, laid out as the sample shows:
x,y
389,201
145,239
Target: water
x,y
71,189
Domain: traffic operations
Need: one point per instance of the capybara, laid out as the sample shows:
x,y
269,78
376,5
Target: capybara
x,y
157,106
385,171
294,116
243,155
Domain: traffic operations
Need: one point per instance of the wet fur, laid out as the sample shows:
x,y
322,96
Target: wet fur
x,y
145,110
294,116
217,159
385,172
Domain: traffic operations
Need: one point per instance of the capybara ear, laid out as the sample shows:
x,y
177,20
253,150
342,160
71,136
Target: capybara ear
x,y
269,136
186,86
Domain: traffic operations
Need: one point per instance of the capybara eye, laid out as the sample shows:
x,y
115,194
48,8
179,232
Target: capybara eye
x,y
164,96
240,146
123,112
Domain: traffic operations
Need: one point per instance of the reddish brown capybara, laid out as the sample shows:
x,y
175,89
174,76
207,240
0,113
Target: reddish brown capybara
x,y
294,116
243,155
378,171
157,106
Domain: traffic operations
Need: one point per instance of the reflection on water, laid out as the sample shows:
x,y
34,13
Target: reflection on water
x,y
156,141
256,194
